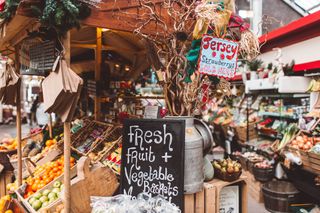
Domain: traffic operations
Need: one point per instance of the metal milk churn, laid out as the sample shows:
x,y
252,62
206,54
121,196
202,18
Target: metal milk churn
x,y
193,156
193,159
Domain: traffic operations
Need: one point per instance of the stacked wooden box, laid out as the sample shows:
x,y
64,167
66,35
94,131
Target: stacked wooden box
x,y
207,201
254,187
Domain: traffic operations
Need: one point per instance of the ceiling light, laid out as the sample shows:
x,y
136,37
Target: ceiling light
x,y
127,69
105,29
117,65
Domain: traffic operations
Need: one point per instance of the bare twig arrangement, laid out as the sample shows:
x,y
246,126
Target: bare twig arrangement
x,y
173,23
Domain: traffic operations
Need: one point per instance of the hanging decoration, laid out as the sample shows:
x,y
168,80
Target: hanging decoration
x,y
58,15
218,57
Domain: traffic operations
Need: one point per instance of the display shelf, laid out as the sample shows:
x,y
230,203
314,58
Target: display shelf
x,y
277,114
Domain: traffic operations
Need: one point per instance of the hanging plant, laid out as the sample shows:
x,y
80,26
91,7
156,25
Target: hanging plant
x,y
63,15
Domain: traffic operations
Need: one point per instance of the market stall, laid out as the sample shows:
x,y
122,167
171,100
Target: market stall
x,y
139,154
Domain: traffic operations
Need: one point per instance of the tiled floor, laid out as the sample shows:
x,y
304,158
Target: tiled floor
x,y
255,207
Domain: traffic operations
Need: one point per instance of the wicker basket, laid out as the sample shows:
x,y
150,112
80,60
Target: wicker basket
x,y
225,176
241,132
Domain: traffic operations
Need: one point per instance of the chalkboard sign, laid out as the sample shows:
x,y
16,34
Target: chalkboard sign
x,y
153,158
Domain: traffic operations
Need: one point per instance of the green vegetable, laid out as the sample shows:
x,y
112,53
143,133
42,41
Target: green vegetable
x,y
288,134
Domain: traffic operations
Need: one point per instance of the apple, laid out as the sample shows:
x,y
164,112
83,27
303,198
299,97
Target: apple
x,y
37,195
56,190
43,199
57,184
46,192
61,187
36,204
31,200
45,204
52,195
52,199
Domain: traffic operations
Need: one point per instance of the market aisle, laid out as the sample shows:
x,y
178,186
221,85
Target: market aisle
x,y
255,207
11,130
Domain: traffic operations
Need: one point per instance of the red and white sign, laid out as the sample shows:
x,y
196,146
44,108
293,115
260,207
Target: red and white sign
x,y
218,57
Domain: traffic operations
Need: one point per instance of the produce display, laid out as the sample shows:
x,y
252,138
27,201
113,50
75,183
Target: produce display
x,y
113,161
4,203
263,165
227,166
45,174
288,134
303,142
46,197
8,144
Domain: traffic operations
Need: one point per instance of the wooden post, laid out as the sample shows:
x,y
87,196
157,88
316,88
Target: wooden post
x,y
18,120
50,126
19,147
97,74
67,141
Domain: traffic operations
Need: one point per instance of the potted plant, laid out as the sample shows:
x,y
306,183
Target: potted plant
x,y
254,65
270,70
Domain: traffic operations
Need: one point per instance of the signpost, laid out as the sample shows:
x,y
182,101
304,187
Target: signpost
x,y
218,57
153,159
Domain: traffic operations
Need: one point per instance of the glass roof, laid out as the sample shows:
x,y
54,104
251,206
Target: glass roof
x,y
308,6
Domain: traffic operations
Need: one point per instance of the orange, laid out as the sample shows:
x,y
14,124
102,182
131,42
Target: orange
x,y
72,160
49,143
34,187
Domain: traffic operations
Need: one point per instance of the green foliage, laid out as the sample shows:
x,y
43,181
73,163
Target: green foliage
x,y
9,10
60,15
63,15
288,68
270,65
255,64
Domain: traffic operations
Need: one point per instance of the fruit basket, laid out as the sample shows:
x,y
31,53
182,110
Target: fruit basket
x,y
263,172
227,170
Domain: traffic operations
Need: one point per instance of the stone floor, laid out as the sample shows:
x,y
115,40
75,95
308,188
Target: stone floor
x,y
255,207
10,129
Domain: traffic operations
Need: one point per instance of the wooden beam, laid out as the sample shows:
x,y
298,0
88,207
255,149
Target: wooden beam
x,y
86,46
107,5
127,20
106,47
97,74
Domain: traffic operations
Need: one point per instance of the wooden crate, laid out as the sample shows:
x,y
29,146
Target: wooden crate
x,y
219,185
254,188
201,202
314,161
207,201
5,178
